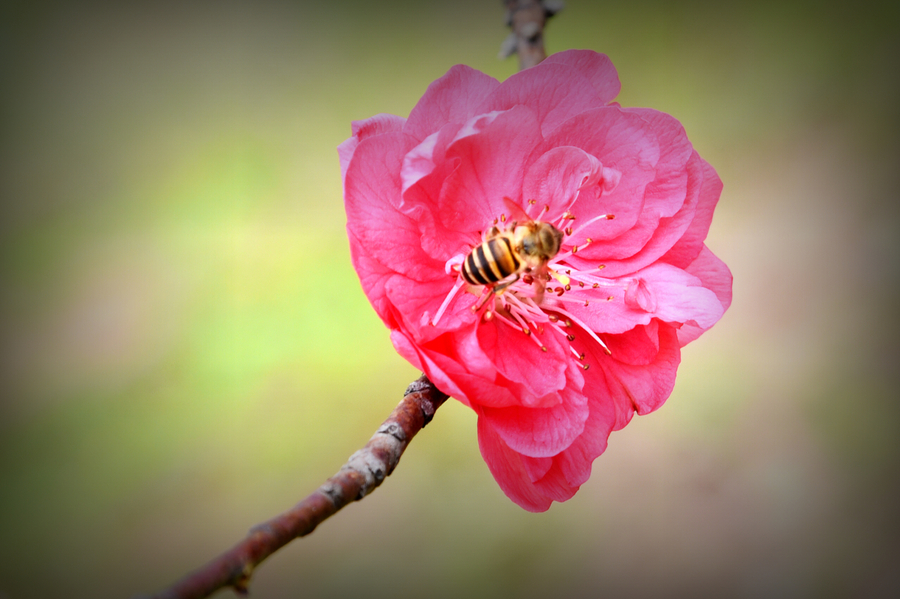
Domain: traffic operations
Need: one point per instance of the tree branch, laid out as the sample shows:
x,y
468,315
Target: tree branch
x,y
527,18
362,473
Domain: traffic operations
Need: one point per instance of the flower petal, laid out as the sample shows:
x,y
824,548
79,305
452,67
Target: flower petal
x,y
690,243
638,381
556,178
670,294
490,155
621,141
360,130
540,432
508,470
375,226
714,275
453,98
597,68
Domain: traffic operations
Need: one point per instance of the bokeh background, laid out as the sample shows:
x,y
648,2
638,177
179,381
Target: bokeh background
x,y
186,350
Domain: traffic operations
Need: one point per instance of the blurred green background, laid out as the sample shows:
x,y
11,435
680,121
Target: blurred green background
x,y
186,350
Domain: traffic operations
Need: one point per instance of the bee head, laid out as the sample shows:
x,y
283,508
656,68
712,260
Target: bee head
x,y
541,241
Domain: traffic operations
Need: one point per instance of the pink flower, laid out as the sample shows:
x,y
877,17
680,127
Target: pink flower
x,y
576,344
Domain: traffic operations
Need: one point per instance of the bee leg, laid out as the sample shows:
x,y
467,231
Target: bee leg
x,y
501,286
492,233
484,298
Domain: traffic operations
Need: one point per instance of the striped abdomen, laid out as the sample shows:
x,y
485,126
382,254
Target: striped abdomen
x,y
491,262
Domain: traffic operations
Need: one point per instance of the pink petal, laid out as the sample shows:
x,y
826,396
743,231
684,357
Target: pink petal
x,y
653,236
459,368
376,227
536,468
691,242
490,155
454,98
418,301
540,432
621,141
539,374
674,295
360,130
554,485
666,205
715,276
636,377
555,179
574,464
423,175
597,68
555,92
508,470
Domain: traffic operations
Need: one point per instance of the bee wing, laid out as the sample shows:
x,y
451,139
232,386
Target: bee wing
x,y
516,212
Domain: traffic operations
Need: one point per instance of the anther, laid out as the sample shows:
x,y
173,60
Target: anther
x,y
570,337
488,315
526,330
528,279
532,202
585,303
553,317
544,348
595,285
568,230
610,298
585,366
610,216
581,283
568,323
568,287
574,249
601,267
560,291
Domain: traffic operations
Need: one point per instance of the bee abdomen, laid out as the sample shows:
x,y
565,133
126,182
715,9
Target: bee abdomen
x,y
490,262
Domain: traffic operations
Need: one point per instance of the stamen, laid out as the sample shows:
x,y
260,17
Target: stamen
x,y
593,220
570,318
450,296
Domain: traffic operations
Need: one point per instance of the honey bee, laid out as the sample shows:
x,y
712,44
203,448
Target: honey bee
x,y
503,256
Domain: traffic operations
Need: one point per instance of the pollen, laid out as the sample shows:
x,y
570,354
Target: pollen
x,y
563,279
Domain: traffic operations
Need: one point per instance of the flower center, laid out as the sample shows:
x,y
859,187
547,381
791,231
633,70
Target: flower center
x,y
532,298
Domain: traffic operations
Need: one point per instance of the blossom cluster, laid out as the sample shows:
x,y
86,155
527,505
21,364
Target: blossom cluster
x,y
558,354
